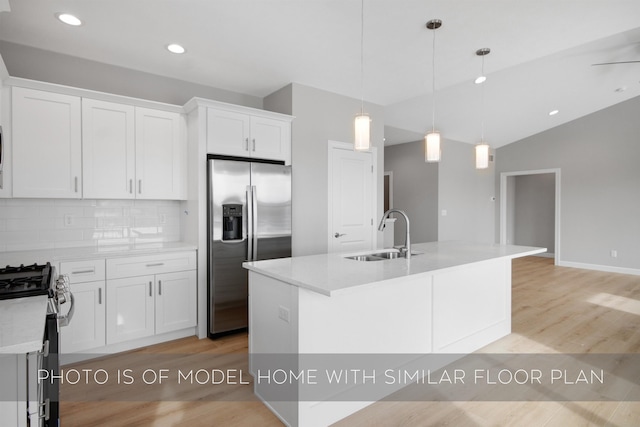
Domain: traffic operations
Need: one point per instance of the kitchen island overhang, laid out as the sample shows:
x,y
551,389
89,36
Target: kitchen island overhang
x,y
453,297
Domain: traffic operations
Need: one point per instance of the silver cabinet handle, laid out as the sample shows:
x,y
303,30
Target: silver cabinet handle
x,y
100,296
75,184
338,235
157,264
139,186
159,287
150,289
131,186
83,271
254,144
246,144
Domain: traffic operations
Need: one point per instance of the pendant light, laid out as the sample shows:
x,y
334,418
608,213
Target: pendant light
x,y
362,122
432,139
482,149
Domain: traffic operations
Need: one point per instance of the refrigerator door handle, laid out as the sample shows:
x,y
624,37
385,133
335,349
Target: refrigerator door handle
x,y
254,217
249,205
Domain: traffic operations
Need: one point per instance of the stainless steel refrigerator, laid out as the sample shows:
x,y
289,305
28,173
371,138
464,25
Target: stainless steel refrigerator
x,y
249,219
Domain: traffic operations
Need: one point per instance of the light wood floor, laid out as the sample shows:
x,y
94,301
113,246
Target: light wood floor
x,y
555,310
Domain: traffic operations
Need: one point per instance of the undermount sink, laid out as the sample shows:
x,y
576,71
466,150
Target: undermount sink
x,y
378,256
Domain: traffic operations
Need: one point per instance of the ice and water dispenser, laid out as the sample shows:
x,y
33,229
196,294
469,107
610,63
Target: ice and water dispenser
x,y
232,222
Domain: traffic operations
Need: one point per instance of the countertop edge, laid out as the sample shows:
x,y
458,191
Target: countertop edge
x,y
269,272
86,253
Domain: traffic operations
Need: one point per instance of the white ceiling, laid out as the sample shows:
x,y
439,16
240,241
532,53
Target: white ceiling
x,y
541,53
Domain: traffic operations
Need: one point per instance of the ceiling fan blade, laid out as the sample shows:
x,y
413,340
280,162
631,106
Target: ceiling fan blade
x,y
619,62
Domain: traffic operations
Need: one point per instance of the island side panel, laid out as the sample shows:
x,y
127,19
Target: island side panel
x,y
471,306
393,316
273,329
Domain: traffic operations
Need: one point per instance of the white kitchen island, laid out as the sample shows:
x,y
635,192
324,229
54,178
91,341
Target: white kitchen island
x,y
450,297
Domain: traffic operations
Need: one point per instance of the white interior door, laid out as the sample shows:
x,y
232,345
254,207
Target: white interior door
x,y
351,201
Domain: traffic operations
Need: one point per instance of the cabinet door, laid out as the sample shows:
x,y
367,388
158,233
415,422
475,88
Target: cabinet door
x,y
5,154
108,150
270,139
228,132
87,327
161,154
175,301
130,308
46,144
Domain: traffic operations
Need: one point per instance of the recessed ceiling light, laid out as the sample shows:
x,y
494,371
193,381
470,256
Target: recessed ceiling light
x,y
176,48
69,19
480,79
553,112
621,89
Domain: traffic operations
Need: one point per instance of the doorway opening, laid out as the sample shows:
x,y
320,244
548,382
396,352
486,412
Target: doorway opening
x,y
530,209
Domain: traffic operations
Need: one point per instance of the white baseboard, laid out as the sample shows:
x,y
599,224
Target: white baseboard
x,y
607,268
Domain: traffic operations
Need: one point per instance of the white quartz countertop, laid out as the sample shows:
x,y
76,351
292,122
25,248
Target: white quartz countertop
x,y
330,274
90,252
22,323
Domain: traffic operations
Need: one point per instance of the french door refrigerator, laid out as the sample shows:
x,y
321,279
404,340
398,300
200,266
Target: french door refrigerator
x,y
249,209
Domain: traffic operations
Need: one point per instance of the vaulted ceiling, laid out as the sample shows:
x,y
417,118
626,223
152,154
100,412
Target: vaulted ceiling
x,y
541,58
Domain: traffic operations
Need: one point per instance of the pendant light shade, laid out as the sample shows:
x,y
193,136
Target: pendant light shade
x,y
432,139
362,123
482,155
362,127
432,147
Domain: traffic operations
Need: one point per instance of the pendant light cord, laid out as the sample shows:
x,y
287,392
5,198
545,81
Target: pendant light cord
x,y
433,81
482,103
362,57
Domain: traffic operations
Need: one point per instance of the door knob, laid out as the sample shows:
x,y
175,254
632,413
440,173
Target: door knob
x,y
337,235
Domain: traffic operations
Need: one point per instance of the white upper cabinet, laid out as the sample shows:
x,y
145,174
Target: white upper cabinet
x,y
161,155
132,152
46,130
5,155
68,146
228,132
270,139
250,134
108,149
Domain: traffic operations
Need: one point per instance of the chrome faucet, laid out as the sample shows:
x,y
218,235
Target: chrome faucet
x,y
407,237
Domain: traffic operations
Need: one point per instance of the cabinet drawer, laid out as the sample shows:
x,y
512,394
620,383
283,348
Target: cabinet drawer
x,y
151,264
84,271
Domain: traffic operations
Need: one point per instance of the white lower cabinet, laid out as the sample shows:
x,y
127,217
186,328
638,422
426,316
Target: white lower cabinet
x,y
154,303
175,301
87,327
129,298
130,308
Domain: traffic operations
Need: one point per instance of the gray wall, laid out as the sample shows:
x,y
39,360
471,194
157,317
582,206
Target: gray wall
x,y
42,65
415,191
320,116
534,210
424,190
600,180
466,194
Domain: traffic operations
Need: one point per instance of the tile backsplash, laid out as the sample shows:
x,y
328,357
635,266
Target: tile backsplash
x,y
30,224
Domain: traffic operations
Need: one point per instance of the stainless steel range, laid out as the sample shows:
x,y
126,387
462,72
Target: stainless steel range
x,y
37,281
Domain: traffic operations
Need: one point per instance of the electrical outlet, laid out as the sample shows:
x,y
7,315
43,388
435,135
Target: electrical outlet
x,y
283,313
444,212
69,220
614,253
163,218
